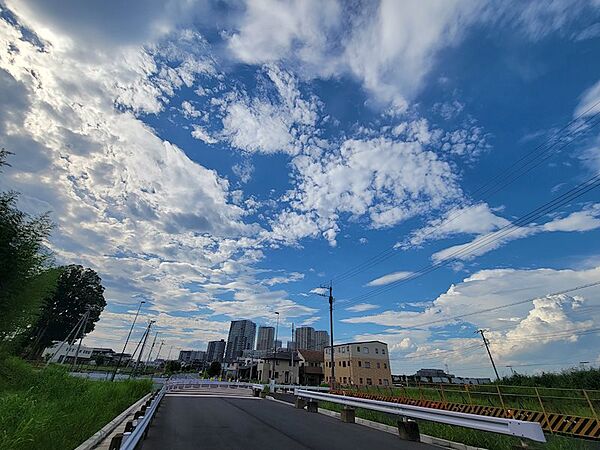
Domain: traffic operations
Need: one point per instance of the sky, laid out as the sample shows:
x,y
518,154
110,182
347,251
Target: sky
x,y
222,160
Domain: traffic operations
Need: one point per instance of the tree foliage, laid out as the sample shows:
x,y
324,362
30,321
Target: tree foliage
x,y
214,369
78,289
23,260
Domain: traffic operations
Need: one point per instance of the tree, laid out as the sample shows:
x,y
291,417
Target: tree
x,y
172,366
23,259
214,369
78,290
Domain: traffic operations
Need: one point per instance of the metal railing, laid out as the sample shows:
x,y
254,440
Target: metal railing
x,y
518,428
137,429
183,383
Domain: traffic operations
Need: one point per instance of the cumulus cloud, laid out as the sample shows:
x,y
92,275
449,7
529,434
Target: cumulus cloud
x,y
554,325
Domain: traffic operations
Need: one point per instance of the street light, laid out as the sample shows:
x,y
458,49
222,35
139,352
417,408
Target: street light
x,y
112,378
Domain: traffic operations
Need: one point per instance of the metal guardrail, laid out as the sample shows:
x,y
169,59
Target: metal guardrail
x,y
132,438
183,382
519,428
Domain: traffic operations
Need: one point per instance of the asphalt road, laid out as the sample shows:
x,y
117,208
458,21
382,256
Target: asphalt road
x,y
248,424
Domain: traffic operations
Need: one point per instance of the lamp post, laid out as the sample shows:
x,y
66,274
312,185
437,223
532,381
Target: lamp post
x,y
112,378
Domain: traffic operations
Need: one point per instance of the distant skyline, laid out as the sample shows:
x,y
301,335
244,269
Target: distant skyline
x,y
223,160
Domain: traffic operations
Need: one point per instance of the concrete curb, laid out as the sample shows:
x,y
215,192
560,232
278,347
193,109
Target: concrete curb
x,y
393,430
105,431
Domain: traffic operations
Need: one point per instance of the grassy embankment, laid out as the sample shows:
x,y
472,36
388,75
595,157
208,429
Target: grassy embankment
x,y
48,409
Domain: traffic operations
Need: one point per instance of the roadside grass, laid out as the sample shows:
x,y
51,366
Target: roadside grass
x,y
491,441
49,409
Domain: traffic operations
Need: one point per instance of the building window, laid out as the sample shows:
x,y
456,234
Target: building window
x,y
386,382
377,351
343,349
385,365
343,363
360,364
360,380
345,380
380,381
378,366
367,364
383,351
358,348
340,363
366,349
369,382
348,348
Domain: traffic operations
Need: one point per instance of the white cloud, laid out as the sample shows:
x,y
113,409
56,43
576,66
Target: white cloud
x,y
130,205
389,278
546,329
470,219
362,307
590,101
202,135
585,220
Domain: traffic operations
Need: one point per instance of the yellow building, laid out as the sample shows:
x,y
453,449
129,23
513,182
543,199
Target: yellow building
x,y
359,363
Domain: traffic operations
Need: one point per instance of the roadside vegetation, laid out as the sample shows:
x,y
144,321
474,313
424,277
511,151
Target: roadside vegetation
x,y
46,408
49,409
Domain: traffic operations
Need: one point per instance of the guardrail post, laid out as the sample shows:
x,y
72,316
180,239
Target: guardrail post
x,y
408,430
348,414
300,403
115,442
312,406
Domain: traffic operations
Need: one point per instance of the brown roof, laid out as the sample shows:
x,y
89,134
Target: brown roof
x,y
311,355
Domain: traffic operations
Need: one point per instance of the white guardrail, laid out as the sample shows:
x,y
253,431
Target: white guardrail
x,y
182,383
132,439
519,428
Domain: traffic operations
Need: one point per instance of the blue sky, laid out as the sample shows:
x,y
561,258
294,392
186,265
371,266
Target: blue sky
x,y
223,159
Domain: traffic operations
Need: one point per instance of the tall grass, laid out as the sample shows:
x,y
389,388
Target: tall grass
x,y
49,409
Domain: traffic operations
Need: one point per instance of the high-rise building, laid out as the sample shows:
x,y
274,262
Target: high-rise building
x,y
291,345
321,340
278,345
305,338
215,351
266,338
241,337
191,356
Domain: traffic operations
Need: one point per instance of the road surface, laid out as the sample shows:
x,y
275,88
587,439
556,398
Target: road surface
x,y
229,422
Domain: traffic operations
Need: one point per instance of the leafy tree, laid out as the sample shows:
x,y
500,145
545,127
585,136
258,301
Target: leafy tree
x,y
23,259
172,366
214,369
78,290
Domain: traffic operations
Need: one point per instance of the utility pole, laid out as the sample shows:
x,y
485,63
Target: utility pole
x,y
84,326
112,378
137,363
159,349
152,348
275,347
486,342
332,381
292,353
74,331
169,355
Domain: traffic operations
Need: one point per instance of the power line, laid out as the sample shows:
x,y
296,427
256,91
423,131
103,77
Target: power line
x,y
382,256
495,308
468,249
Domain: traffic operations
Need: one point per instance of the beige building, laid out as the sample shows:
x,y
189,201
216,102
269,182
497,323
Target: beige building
x,y
359,363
